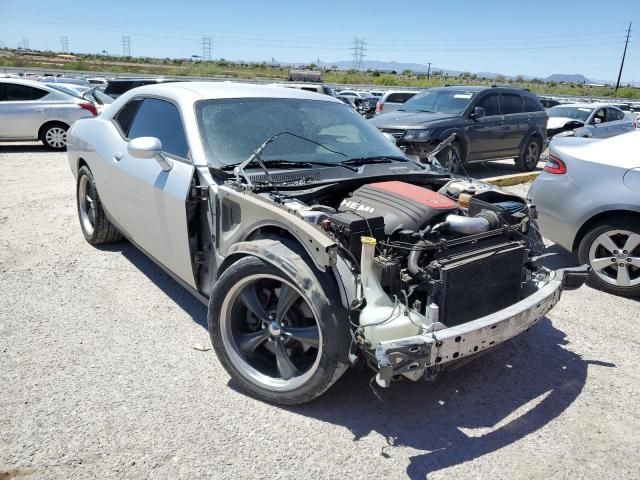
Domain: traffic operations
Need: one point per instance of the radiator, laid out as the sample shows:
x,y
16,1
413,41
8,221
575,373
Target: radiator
x,y
475,284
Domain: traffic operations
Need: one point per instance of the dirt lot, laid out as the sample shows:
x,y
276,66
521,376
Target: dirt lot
x,y
99,377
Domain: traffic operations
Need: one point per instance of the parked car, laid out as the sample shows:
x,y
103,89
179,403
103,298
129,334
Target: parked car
x,y
597,120
376,93
490,123
267,205
353,93
117,86
588,201
91,94
548,102
310,87
65,80
31,110
393,100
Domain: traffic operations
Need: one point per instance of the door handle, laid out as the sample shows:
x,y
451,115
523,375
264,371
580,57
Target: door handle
x,y
118,156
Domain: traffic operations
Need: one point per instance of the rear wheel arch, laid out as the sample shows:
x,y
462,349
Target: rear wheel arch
x,y
600,218
50,123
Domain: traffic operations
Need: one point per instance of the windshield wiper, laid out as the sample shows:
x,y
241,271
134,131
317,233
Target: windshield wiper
x,y
283,163
373,159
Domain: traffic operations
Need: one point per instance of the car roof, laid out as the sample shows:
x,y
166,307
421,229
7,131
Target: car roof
x,y
216,90
20,81
586,105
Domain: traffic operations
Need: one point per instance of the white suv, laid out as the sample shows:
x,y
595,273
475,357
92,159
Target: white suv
x,y
393,100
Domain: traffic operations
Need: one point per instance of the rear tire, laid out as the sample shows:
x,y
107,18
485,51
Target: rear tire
x,y
269,336
530,156
95,226
54,136
606,242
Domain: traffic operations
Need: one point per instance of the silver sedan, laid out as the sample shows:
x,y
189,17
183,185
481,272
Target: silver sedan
x,y
34,111
588,200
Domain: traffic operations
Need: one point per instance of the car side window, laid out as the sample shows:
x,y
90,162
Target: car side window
x,y
490,104
13,92
125,116
601,115
399,97
511,103
613,115
160,119
530,105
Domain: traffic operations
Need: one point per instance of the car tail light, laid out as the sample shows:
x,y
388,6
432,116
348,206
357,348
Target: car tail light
x,y
555,165
91,107
380,106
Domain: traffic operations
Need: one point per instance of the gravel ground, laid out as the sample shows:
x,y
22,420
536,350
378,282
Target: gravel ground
x,y
99,377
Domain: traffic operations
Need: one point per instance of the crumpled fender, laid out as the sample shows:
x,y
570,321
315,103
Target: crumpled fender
x,y
319,286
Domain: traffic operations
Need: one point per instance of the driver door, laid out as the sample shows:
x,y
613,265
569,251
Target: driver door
x,y
151,203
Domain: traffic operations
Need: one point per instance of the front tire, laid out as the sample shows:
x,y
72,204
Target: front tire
x,y
530,156
269,336
612,249
54,136
451,158
95,226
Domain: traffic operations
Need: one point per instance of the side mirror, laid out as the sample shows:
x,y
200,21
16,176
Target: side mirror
x,y
597,120
149,147
478,113
389,137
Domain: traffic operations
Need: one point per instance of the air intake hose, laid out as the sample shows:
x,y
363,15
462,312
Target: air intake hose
x,y
484,221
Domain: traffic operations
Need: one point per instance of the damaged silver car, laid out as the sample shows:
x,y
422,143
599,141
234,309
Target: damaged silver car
x,y
316,243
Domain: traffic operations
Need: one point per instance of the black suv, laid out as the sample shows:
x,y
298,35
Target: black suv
x,y
490,123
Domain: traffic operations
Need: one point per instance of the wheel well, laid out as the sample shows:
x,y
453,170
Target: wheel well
x,y
266,232
82,163
47,124
608,215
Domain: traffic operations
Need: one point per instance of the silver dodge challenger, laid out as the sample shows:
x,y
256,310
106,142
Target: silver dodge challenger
x,y
314,241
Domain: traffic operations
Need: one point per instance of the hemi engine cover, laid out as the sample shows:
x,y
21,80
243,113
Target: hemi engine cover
x,y
403,206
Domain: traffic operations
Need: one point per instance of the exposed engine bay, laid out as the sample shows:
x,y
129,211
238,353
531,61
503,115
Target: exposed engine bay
x,y
427,257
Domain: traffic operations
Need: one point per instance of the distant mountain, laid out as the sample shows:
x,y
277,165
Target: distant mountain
x,y
566,78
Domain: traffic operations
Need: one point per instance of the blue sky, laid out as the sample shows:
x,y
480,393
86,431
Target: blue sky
x,y
531,38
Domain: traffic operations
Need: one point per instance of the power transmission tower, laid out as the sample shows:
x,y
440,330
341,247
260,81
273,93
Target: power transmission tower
x,y
624,54
206,49
358,50
428,70
126,46
64,40
25,43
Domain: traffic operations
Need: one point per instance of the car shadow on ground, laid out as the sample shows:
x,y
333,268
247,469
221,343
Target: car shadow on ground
x,y
23,148
486,405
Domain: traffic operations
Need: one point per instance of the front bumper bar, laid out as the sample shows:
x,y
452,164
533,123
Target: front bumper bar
x,y
414,354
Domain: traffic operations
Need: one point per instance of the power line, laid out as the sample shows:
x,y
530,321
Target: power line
x,y
25,43
126,46
624,54
206,49
64,40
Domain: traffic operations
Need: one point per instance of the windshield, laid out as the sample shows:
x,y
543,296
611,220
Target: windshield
x,y
232,129
443,101
577,113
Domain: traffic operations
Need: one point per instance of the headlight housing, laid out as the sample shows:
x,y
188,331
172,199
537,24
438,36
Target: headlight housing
x,y
416,135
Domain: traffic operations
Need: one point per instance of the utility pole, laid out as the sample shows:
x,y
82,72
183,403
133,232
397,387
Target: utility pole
x,y
126,46
206,49
429,70
358,52
624,54
25,43
64,40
